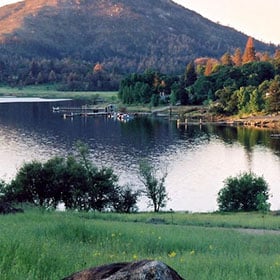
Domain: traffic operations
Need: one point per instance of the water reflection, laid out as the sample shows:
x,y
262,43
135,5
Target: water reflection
x,y
197,158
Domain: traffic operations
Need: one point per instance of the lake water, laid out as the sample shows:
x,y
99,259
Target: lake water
x,y
196,158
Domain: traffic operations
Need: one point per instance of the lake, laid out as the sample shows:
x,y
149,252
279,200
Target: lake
x,y
196,158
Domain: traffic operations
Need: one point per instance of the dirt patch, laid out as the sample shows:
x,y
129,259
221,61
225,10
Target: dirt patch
x,y
258,231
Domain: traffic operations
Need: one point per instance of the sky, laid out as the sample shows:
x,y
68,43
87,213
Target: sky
x,y
260,20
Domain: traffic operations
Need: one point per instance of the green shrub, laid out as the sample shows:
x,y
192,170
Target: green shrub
x,y
242,193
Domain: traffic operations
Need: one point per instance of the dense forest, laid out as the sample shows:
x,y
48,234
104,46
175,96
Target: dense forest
x,y
247,82
65,74
240,82
93,44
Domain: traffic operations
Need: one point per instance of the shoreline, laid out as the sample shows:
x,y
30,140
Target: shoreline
x,y
264,122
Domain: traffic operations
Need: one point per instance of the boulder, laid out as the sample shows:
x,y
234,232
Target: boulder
x,y
140,270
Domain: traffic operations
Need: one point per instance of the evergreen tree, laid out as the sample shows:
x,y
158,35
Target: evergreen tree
x,y
277,55
237,57
209,67
273,98
52,76
249,53
276,62
226,59
190,74
265,57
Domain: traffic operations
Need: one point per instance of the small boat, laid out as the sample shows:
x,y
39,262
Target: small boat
x,y
124,117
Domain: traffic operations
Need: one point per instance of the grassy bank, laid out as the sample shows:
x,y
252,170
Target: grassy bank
x,y
50,91
51,245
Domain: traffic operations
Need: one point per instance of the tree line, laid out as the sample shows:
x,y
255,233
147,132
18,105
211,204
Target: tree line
x,y
66,74
236,83
78,184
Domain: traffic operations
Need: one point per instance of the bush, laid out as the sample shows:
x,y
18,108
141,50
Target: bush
x,y
242,193
125,200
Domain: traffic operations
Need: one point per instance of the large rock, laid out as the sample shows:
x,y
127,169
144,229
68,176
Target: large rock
x,y
141,270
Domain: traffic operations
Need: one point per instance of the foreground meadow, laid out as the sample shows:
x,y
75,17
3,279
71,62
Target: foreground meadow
x,y
50,245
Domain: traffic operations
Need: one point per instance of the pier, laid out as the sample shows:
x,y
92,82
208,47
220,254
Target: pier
x,y
85,110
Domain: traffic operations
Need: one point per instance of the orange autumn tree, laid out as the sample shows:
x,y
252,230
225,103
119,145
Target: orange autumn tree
x,y
226,59
249,53
237,57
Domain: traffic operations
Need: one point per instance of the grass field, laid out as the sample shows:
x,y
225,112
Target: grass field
x,y
51,92
50,245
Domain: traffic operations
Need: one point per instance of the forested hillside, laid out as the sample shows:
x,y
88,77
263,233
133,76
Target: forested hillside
x,y
242,83
63,40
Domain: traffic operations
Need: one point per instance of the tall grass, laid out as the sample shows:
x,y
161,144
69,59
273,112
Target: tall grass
x,y
52,245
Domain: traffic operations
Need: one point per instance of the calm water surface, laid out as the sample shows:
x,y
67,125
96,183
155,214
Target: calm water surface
x,y
197,158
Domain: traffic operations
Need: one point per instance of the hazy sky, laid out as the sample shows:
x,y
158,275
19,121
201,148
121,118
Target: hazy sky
x,y
257,18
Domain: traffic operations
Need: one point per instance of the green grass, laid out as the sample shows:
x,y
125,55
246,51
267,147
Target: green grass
x,y
50,91
51,245
228,220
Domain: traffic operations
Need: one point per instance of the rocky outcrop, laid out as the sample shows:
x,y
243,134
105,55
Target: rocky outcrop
x,y
141,270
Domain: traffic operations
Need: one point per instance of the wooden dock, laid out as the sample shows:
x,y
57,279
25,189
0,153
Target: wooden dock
x,y
86,111
82,109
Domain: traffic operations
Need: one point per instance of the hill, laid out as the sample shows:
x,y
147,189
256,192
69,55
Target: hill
x,y
125,35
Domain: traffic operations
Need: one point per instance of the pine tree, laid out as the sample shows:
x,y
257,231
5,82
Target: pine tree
x,y
249,53
265,57
190,74
226,59
237,57
276,62
273,98
209,67
277,55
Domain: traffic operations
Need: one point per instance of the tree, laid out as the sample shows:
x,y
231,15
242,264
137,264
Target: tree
x,y
190,74
273,96
227,100
52,77
256,102
41,184
237,57
154,188
243,98
242,193
77,183
28,185
200,89
125,200
249,52
276,62
209,67
99,190
226,59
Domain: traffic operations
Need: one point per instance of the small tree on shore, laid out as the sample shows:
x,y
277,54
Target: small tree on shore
x,y
155,189
243,193
125,199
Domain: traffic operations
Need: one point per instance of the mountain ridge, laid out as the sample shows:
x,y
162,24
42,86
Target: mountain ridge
x,y
127,35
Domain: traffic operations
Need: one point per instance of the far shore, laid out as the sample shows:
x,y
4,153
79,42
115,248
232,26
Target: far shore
x,y
187,114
